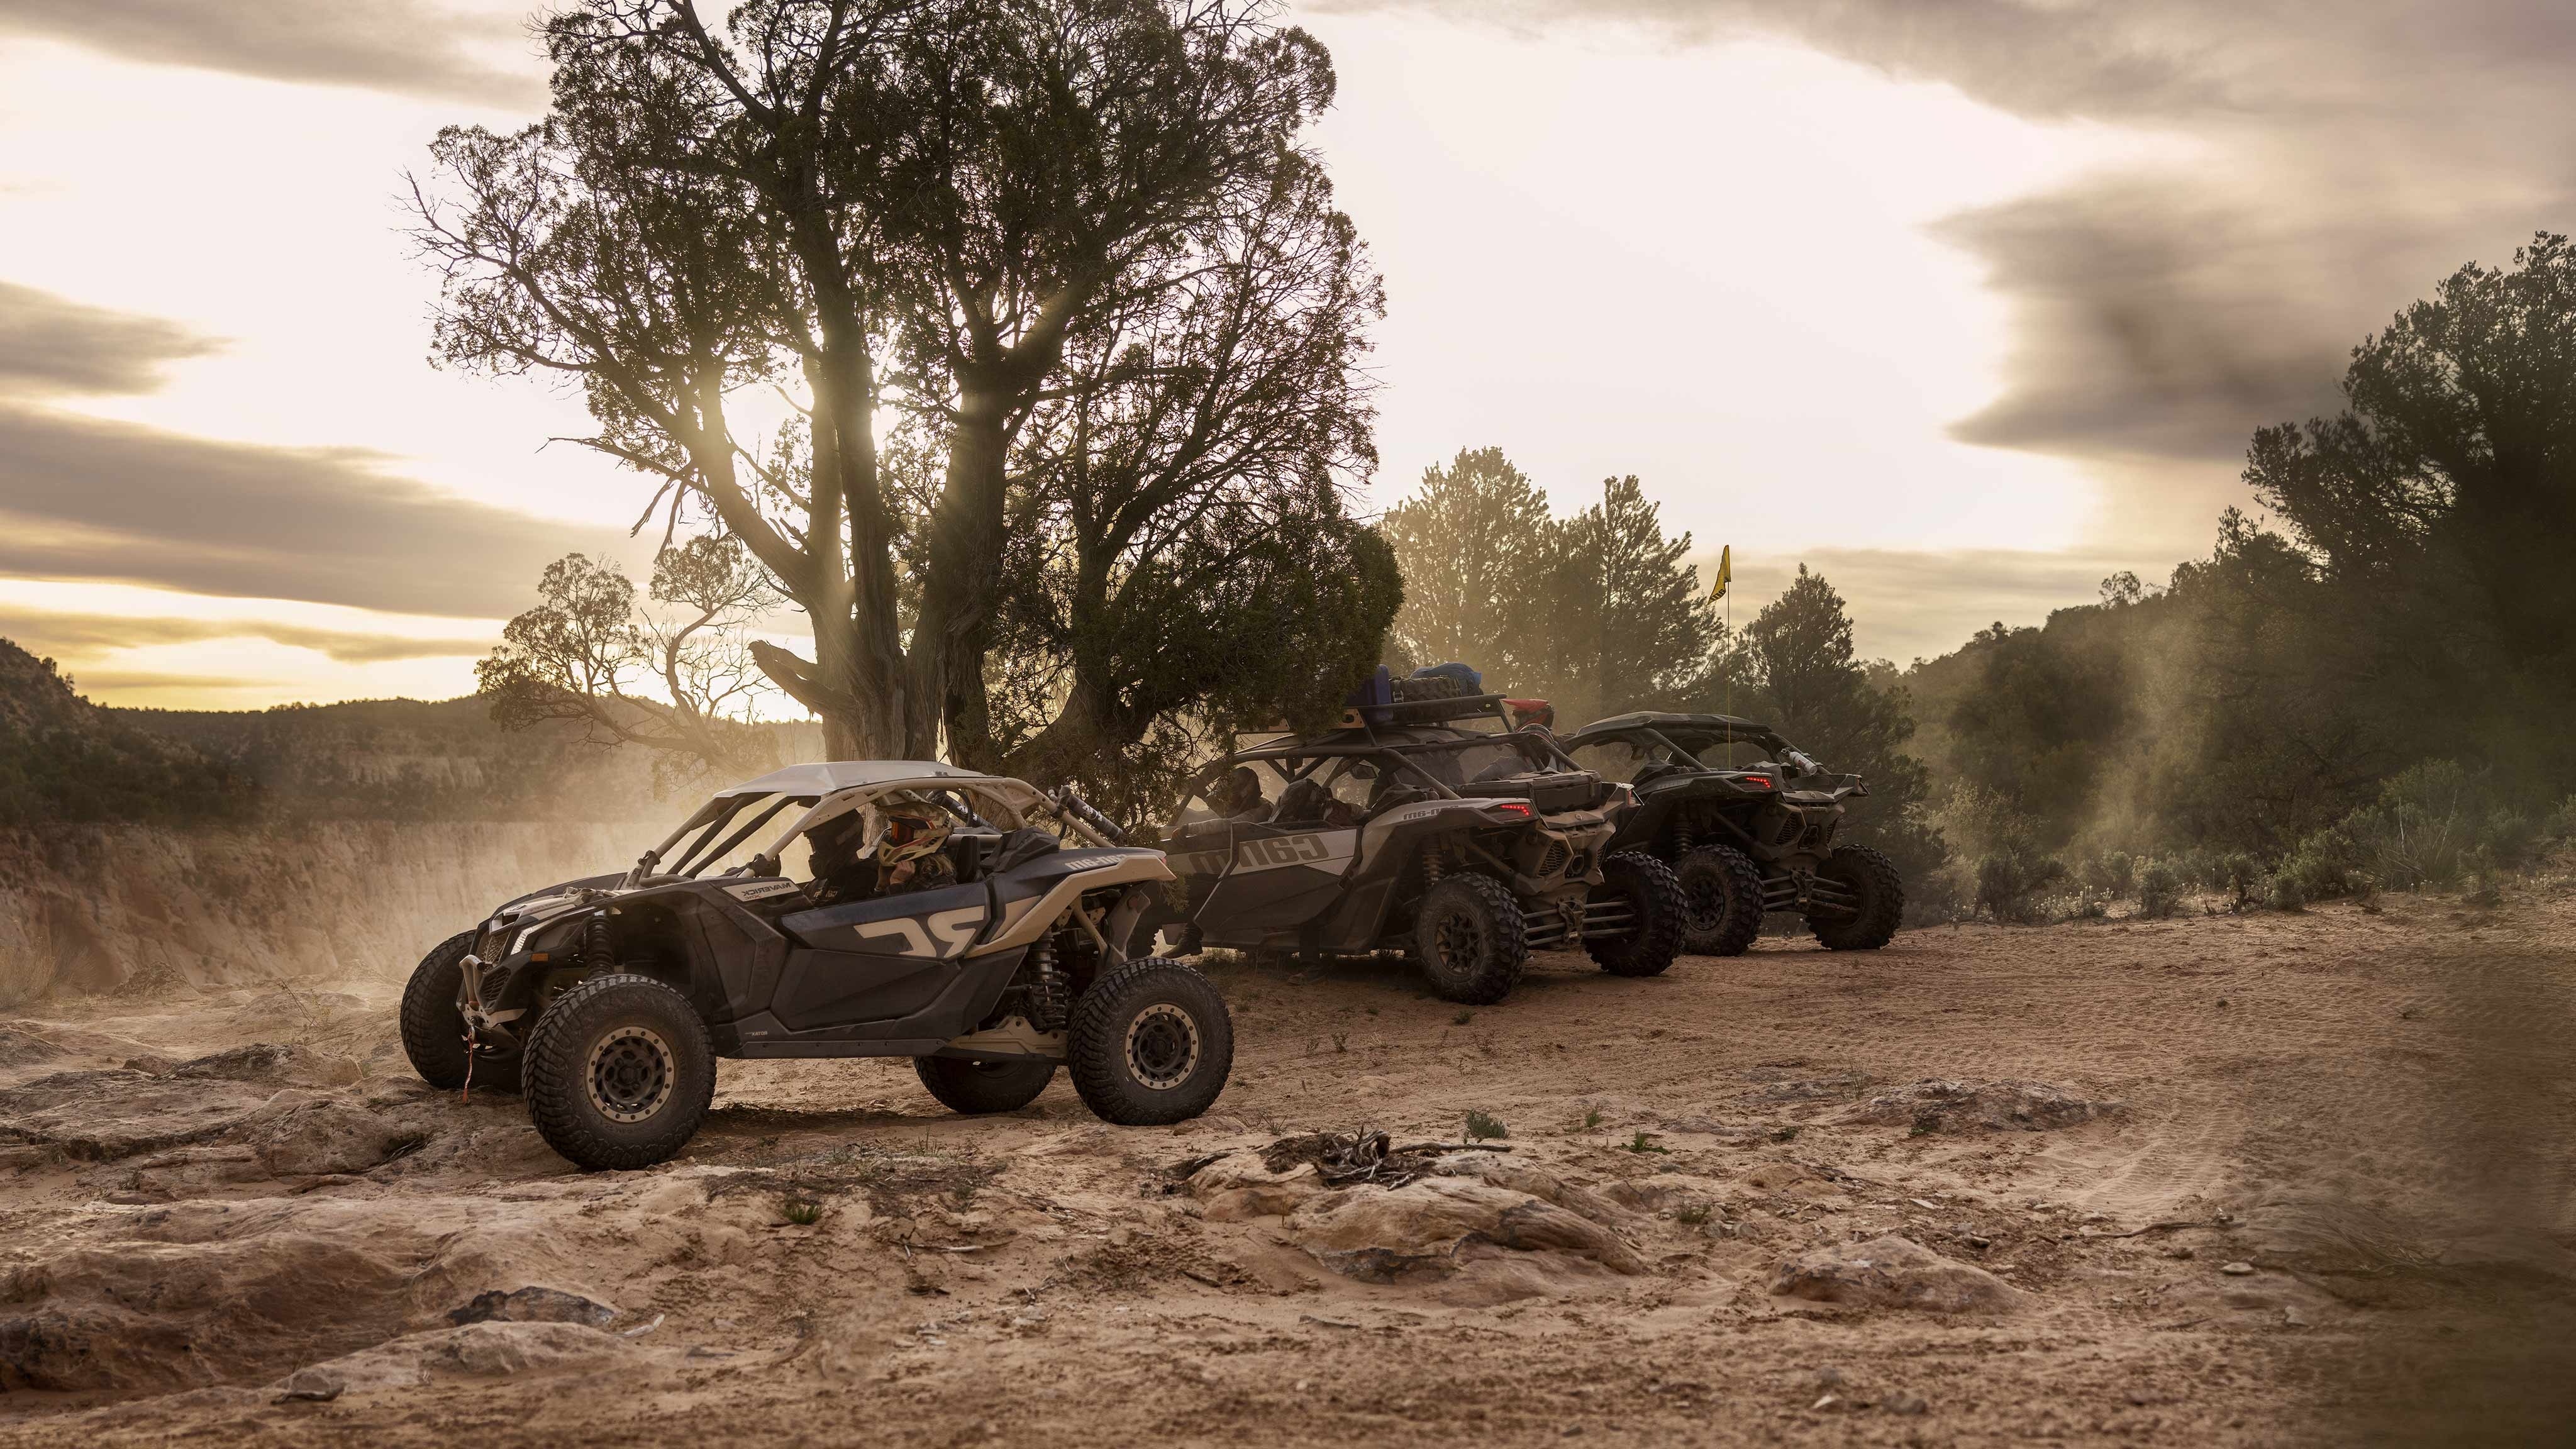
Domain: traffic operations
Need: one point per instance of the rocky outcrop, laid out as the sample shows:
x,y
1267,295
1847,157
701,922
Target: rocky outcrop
x,y
1893,1272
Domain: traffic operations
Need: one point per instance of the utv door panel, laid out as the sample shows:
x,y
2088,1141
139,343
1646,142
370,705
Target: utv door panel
x,y
938,924
880,960
1276,879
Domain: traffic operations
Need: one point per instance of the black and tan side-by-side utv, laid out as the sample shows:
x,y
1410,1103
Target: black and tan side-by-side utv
x,y
1747,839
1427,825
900,908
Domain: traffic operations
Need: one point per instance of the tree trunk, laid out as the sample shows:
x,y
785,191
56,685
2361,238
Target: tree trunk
x,y
967,534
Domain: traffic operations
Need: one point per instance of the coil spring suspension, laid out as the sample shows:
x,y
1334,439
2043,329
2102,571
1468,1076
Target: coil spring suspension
x,y
1050,995
598,951
1432,868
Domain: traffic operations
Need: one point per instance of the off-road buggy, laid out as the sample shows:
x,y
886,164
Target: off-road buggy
x,y
1427,825
992,949
1744,840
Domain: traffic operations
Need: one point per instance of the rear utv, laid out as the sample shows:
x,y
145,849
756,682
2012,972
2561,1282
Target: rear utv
x,y
1743,840
898,908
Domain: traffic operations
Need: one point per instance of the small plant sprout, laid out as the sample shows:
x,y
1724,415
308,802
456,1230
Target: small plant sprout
x,y
1591,1118
1462,1018
1341,1041
1641,1143
1692,1215
802,1210
1481,1126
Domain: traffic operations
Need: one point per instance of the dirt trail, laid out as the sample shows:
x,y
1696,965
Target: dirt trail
x,y
210,1205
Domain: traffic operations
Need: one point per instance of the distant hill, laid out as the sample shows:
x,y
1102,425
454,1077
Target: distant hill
x,y
65,759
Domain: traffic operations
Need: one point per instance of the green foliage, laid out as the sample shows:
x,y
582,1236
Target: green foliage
x,y
2010,884
65,759
2407,603
1794,667
1596,613
1642,1143
1482,1126
2160,889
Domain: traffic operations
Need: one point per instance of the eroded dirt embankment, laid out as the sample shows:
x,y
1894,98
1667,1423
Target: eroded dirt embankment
x,y
89,909
2258,1180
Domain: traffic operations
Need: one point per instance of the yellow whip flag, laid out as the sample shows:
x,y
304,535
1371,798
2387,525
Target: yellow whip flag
x,y
1725,571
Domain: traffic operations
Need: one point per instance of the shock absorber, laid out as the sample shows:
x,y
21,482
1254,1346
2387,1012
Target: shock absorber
x,y
598,950
1050,998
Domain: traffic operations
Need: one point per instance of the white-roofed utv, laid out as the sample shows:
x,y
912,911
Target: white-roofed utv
x,y
884,908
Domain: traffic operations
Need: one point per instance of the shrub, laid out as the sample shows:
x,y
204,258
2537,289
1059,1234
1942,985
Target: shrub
x,y
2008,883
2114,874
2159,890
1482,1125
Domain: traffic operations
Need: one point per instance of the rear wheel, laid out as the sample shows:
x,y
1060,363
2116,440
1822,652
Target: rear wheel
x,y
1469,937
1151,1043
1654,900
1877,894
987,1084
620,1072
433,1024
1721,900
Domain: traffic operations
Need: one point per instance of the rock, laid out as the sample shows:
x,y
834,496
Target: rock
x,y
479,1349
532,1305
1945,1106
20,1047
1894,1272
1379,1237
2236,1270
1905,1404
312,1385
1240,1185
332,1135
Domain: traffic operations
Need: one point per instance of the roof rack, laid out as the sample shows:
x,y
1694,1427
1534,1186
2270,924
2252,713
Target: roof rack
x,y
1422,711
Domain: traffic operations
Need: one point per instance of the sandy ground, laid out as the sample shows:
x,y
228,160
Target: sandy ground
x,y
2231,1180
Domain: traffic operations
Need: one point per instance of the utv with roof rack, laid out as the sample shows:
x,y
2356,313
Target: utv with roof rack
x,y
903,908
1743,840
1427,824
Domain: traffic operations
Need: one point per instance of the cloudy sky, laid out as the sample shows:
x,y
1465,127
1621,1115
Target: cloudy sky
x,y
1965,302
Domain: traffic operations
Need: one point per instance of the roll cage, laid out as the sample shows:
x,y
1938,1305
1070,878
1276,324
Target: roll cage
x,y
987,802
1414,733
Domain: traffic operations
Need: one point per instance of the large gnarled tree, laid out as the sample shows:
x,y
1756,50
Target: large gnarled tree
x,y
955,211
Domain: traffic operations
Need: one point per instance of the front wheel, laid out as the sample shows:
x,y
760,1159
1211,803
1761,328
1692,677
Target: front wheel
x,y
986,1084
1872,900
1722,896
1151,1043
433,1024
620,1072
1470,938
1654,900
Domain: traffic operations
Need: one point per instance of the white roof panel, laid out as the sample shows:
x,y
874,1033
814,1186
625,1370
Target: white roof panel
x,y
830,775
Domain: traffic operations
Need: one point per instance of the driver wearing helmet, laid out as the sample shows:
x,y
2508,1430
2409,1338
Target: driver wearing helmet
x,y
912,854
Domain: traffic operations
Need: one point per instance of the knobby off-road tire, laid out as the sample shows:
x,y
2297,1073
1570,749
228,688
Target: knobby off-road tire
x,y
1151,1043
1872,877
1470,938
1654,895
989,1084
433,1026
619,1072
1721,900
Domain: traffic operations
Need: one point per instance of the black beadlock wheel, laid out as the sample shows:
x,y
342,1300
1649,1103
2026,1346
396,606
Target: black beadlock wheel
x,y
1721,900
1873,878
1470,938
619,1072
1654,895
433,1024
984,1084
1151,1043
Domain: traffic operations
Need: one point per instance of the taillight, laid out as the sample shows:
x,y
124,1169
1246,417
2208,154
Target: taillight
x,y
1513,808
